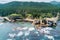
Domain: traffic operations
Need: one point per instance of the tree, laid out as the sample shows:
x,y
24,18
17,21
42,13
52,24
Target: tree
x,y
13,16
29,15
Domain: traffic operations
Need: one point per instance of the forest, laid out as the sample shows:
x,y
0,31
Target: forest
x,y
30,9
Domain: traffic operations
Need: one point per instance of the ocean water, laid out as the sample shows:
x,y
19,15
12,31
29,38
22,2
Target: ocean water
x,y
28,32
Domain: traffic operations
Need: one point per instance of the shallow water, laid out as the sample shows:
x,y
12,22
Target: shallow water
x,y
29,33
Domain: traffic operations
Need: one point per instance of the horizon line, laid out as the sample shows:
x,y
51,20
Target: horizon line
x,y
27,1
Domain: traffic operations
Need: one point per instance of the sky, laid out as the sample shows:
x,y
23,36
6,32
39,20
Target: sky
x,y
6,1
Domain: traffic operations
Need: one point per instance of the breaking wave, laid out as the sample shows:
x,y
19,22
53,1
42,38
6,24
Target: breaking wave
x,y
30,33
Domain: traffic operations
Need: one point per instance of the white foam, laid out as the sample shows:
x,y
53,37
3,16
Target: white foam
x,y
31,28
9,39
1,23
49,37
20,33
25,28
27,39
19,28
12,35
46,30
26,33
36,32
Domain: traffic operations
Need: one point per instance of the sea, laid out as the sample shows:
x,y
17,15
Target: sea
x,y
27,31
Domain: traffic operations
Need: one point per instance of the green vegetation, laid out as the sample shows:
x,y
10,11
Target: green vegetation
x,y
29,9
13,15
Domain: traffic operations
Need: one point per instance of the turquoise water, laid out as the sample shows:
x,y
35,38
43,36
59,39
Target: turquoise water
x,y
6,28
